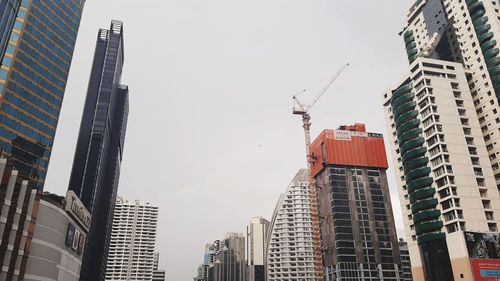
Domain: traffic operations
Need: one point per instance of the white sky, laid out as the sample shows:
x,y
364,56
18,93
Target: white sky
x,y
211,138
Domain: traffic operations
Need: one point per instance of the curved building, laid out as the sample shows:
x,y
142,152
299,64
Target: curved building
x,y
290,252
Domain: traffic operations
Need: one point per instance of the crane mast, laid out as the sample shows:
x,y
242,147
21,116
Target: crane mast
x,y
303,110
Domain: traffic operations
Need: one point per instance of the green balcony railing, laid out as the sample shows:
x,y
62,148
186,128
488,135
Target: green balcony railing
x,y
480,21
402,99
477,14
413,154
407,146
422,194
423,205
482,29
491,53
403,108
485,37
424,238
488,45
419,184
405,117
405,127
418,173
493,62
428,227
426,216
416,163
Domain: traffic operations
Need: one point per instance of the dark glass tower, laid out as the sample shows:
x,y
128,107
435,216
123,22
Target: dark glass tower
x,y
37,39
358,234
96,166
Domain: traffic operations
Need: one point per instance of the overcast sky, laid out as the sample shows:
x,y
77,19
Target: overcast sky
x,y
211,138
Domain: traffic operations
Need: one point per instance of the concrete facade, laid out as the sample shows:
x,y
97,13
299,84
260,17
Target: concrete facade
x,y
443,172
132,244
58,241
256,248
290,251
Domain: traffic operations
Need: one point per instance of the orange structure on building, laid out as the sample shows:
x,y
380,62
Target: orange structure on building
x,y
348,146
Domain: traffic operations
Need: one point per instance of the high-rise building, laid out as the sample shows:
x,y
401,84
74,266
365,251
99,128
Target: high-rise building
x,y
96,165
59,239
358,234
290,249
37,40
228,259
8,13
158,275
466,32
256,248
405,261
131,252
443,172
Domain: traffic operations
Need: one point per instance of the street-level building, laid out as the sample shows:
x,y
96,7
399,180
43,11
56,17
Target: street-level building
x,y
59,239
358,234
443,171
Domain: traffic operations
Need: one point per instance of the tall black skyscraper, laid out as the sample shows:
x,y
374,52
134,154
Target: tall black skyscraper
x,y
96,166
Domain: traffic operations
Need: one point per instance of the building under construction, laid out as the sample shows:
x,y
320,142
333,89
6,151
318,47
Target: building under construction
x,y
358,235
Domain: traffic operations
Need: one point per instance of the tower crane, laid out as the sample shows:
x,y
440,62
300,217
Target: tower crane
x,y
303,110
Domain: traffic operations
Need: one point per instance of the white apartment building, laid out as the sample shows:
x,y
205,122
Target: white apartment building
x,y
290,252
441,162
256,247
468,32
132,244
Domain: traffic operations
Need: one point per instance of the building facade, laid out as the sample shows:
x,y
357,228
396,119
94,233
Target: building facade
x,y
290,250
228,259
96,165
158,275
131,252
256,248
405,261
8,13
37,40
442,165
358,234
466,32
59,239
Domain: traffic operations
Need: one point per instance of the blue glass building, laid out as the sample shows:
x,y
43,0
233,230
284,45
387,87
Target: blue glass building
x,y
8,12
37,40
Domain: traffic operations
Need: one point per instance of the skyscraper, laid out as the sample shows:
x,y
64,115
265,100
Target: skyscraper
x,y
290,250
256,246
8,13
445,179
466,32
96,165
131,252
228,259
358,235
37,40
449,99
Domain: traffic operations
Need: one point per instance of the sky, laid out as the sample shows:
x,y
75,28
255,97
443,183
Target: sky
x,y
211,138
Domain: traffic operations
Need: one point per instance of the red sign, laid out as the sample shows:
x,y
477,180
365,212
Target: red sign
x,y
486,270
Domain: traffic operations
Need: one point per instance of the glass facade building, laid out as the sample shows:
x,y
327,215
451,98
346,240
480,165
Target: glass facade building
x,y
33,75
37,40
8,12
96,165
